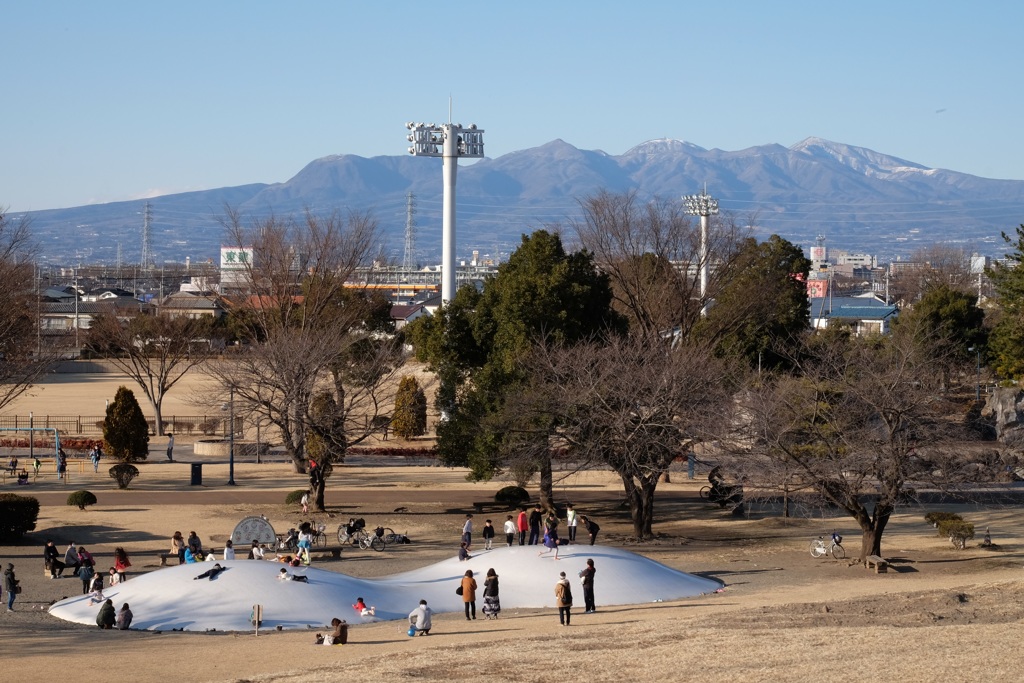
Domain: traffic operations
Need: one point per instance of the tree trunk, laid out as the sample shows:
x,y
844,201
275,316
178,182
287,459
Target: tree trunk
x,y
547,496
872,528
158,416
318,495
641,503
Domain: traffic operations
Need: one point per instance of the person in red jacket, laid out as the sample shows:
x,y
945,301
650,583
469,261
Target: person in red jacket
x,y
523,525
121,564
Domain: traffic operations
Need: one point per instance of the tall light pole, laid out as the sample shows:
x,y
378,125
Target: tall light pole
x,y
448,141
703,205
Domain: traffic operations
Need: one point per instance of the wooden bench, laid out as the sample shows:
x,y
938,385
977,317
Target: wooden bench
x,y
881,566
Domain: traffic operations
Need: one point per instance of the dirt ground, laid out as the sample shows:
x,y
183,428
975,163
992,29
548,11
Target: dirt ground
x,y
939,613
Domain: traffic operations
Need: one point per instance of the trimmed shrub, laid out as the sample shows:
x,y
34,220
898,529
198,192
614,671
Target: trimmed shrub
x,y
123,473
935,518
295,497
18,515
512,495
81,499
957,531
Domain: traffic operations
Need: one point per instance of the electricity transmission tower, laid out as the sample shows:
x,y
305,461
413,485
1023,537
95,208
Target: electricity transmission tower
x,y
147,239
409,262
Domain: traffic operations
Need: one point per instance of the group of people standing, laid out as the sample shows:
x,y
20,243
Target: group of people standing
x,y
533,522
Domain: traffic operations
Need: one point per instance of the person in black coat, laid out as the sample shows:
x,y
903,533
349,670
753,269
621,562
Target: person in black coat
x,y
106,616
587,576
536,517
51,556
591,527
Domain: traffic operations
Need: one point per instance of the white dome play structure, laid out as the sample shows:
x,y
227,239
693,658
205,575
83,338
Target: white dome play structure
x,y
171,598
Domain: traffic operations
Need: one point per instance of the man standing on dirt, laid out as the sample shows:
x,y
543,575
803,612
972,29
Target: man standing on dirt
x,y
170,447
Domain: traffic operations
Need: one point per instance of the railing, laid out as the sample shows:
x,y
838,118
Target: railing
x,y
89,425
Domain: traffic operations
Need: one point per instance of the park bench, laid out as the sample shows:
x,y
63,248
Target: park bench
x,y
881,565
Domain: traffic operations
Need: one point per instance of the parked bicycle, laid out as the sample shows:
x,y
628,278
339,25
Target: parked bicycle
x,y
353,532
819,547
318,532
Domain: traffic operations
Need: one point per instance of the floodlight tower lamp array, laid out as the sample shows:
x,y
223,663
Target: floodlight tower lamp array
x,y
448,141
703,205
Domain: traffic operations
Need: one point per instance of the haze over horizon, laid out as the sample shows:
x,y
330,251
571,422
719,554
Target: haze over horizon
x,y
125,101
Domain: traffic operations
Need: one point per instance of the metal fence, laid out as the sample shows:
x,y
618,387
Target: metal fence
x,y
92,425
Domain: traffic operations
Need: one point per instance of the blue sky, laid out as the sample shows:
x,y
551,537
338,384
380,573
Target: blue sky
x,y
118,100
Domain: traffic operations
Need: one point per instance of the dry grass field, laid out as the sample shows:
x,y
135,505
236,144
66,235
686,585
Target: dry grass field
x,y
939,614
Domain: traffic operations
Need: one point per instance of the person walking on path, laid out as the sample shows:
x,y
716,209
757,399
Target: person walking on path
x,y
591,527
467,531
522,525
563,598
492,605
536,517
469,594
305,503
95,456
50,558
420,618
570,521
10,585
510,531
587,577
170,447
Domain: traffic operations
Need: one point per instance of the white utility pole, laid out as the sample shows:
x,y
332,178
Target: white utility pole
x,y
448,141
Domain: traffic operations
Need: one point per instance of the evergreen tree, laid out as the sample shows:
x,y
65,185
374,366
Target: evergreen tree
x,y
410,416
478,344
760,314
1007,340
125,430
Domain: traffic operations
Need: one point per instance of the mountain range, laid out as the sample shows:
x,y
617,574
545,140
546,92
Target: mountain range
x,y
859,199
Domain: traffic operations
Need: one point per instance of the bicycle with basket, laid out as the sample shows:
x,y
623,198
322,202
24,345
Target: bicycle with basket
x,y
819,547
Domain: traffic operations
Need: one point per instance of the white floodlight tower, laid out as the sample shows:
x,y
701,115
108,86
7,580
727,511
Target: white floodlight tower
x,y
703,205
448,141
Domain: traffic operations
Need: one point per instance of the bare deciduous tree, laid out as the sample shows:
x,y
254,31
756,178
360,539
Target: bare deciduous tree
x,y
155,351
310,333
864,424
626,403
652,253
21,362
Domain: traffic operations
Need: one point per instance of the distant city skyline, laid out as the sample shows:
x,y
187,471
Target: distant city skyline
x,y
117,101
